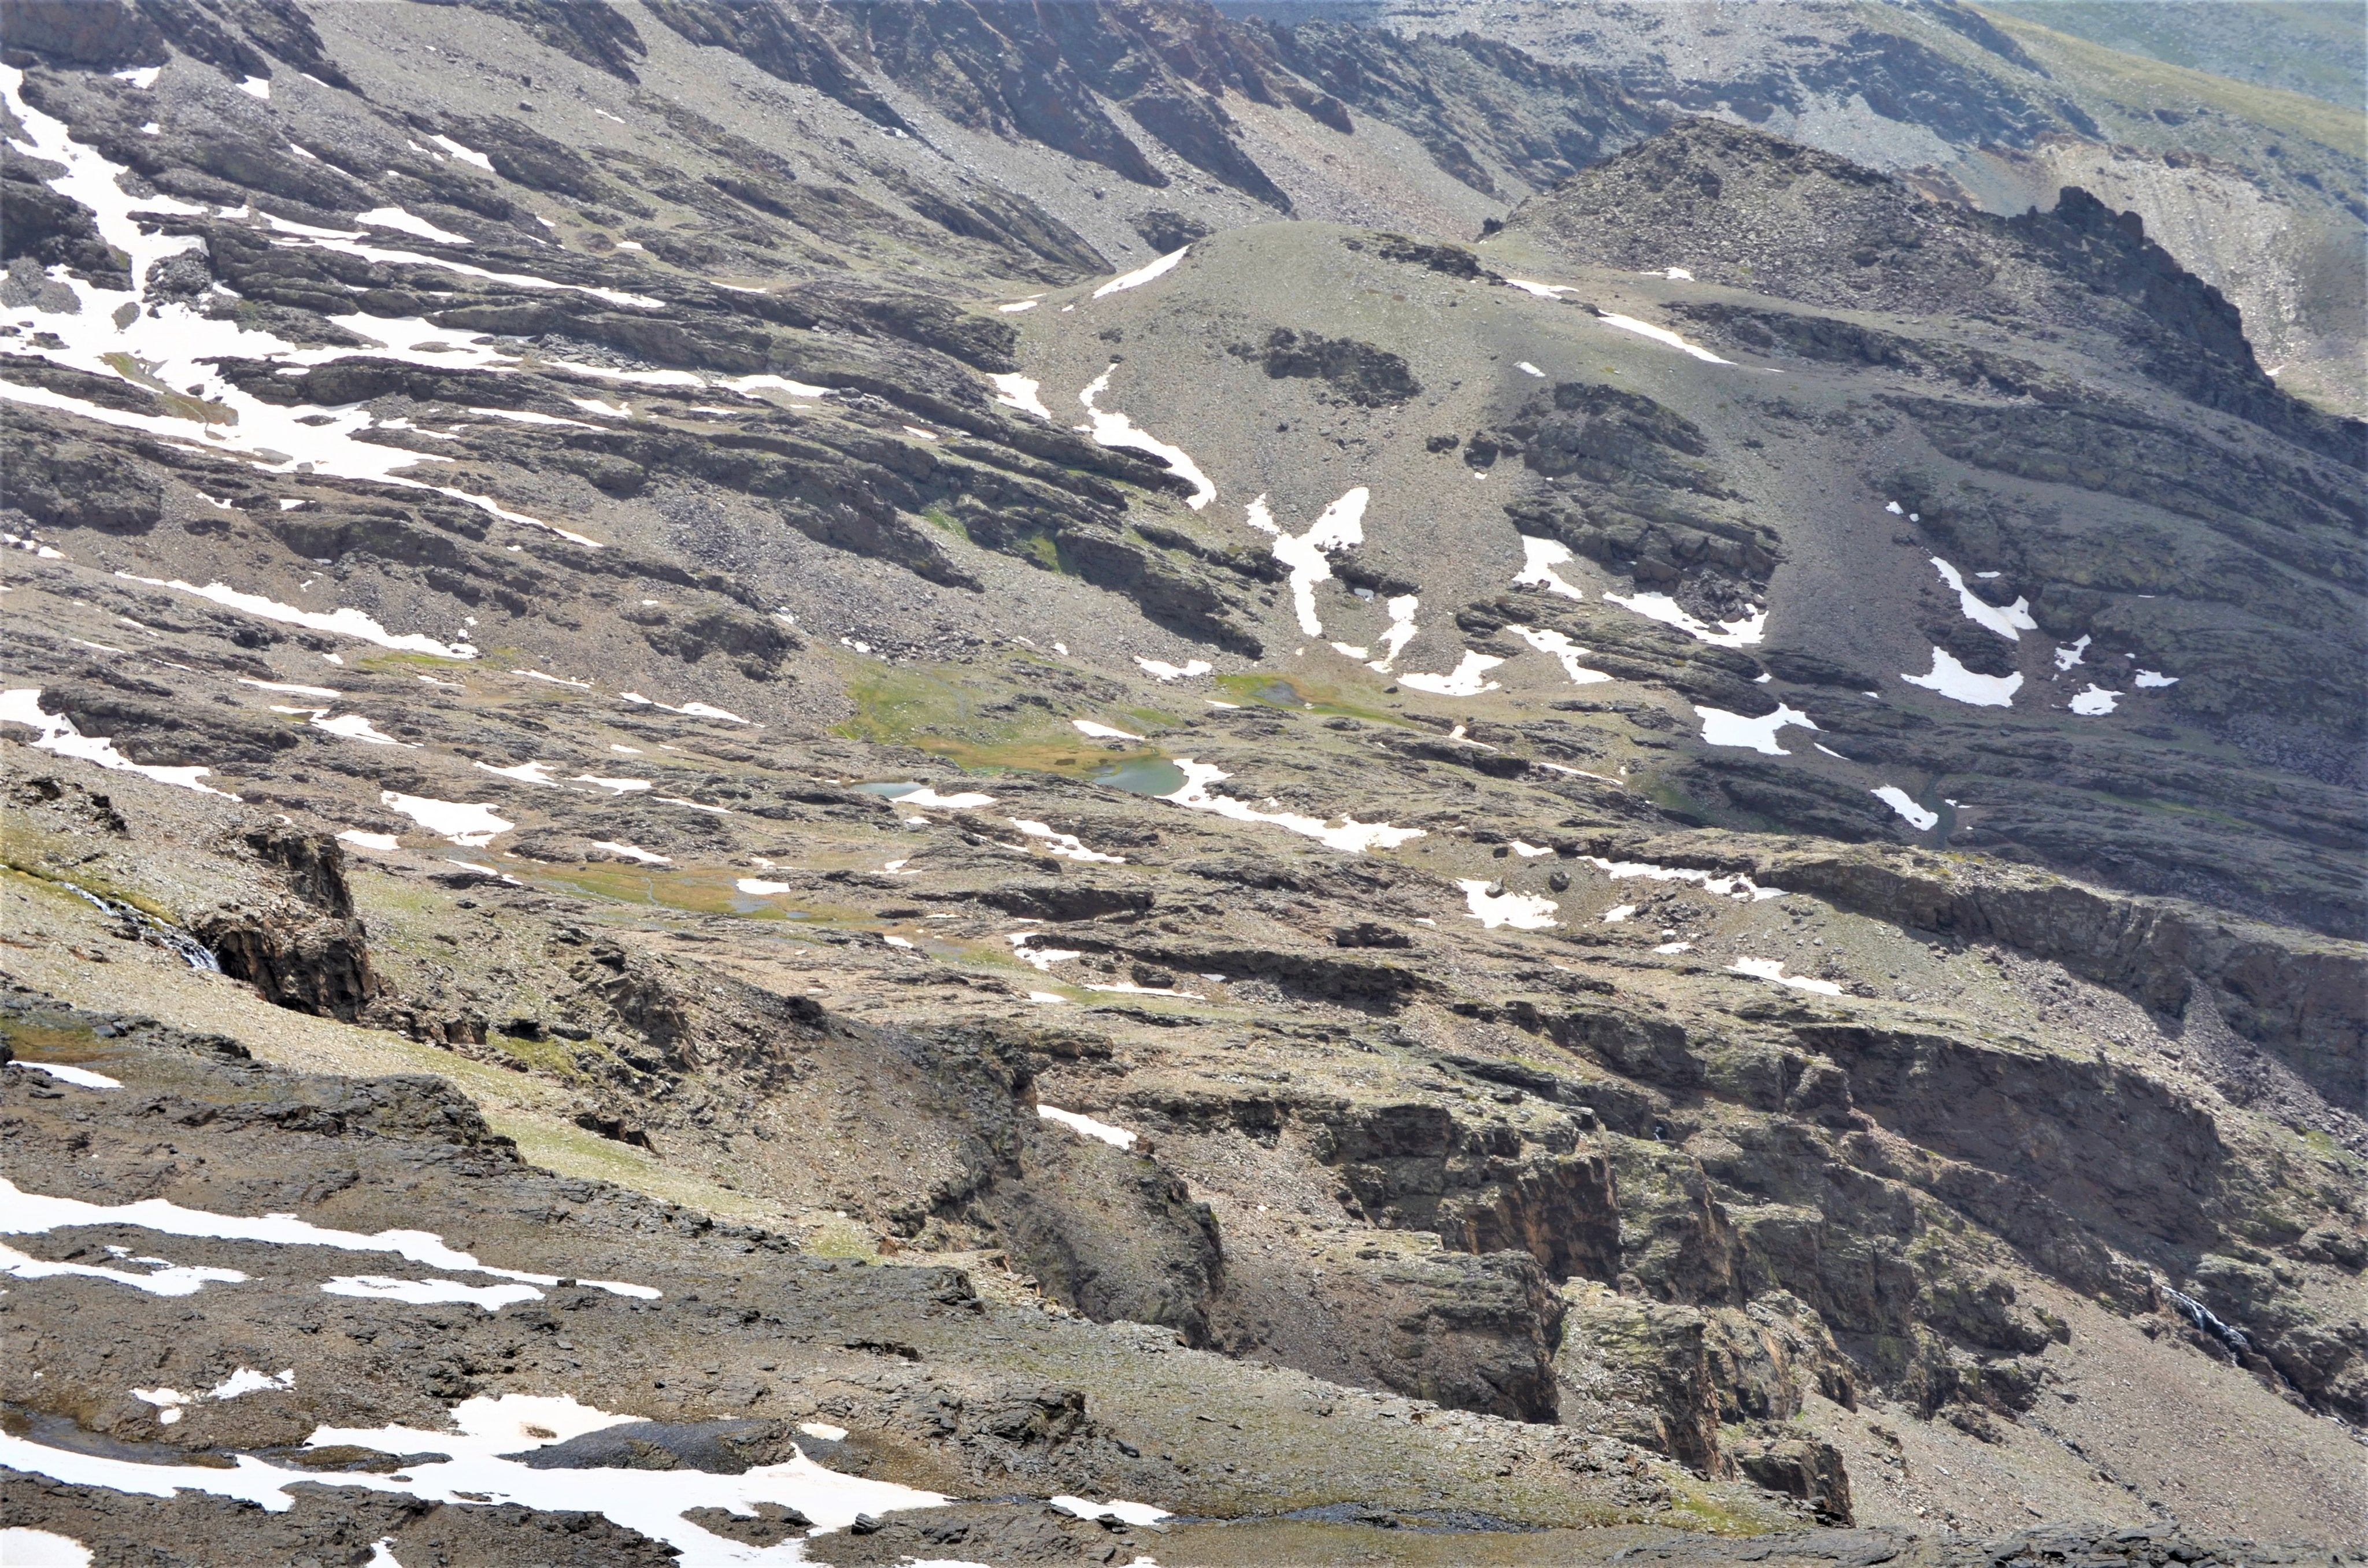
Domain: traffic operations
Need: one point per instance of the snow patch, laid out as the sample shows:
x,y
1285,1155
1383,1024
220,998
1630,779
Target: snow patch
x,y
1539,559
465,155
927,799
1016,391
25,1213
1158,669
525,773
1351,836
429,1292
486,1451
1737,886
1721,728
1900,800
1087,728
614,786
1662,335
1129,1513
1466,680
1341,527
630,853
344,622
1952,680
471,826
352,727
1668,612
2009,623
1065,844
59,735
2094,702
1402,630
775,383
1772,969
2152,679
1087,1127
396,218
1522,911
1110,429
1143,275
21,1546
80,1077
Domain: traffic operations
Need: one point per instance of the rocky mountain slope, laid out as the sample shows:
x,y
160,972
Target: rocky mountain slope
x,y
920,763
2256,188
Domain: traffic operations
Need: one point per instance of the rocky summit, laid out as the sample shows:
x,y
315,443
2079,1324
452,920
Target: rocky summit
x,y
1151,784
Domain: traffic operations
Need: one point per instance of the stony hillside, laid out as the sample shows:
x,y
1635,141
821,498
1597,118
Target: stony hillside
x,y
2261,189
920,783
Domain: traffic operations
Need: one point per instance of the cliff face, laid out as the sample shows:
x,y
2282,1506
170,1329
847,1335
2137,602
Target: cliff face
x,y
847,697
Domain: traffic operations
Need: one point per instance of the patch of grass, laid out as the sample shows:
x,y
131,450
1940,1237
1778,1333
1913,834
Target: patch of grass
x,y
547,1056
697,893
937,713
389,659
841,1237
41,1042
2138,82
1702,1511
1298,694
90,877
937,517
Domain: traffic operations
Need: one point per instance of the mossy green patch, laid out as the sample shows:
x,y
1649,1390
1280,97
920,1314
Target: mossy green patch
x,y
942,712
1300,694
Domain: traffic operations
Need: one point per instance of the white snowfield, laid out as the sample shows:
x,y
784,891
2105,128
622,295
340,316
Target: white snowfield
x,y
1668,612
1016,391
162,1279
1773,968
1099,731
1160,670
1087,1127
2094,702
350,623
473,826
1900,800
1737,886
22,705
80,1077
1143,275
1468,679
1721,728
1068,846
429,1292
1351,836
1113,429
1539,559
1952,680
1401,609
1342,526
1522,911
927,799
1545,640
25,1213
1131,1512
2009,623
488,1434
21,1547
1663,335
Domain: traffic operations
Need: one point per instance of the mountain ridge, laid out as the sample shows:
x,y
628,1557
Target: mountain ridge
x,y
1154,873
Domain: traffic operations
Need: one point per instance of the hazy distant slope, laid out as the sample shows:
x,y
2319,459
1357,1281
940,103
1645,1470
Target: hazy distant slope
x,y
2318,47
